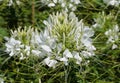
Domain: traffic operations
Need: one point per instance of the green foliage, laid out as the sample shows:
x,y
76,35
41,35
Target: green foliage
x,y
21,15
102,68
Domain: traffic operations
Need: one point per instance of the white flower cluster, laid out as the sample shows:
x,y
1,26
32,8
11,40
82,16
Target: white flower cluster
x,y
113,36
112,2
64,4
20,43
68,31
64,39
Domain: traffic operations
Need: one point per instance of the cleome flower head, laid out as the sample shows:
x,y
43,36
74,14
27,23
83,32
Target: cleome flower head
x,y
19,44
64,39
74,36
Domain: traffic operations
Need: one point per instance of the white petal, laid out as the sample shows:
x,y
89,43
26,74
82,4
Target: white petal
x,y
10,3
27,48
59,47
11,53
18,2
77,1
70,5
114,46
86,54
90,48
46,48
46,33
37,37
22,56
55,1
47,60
50,63
8,45
67,53
77,56
65,60
36,52
86,41
45,22
6,38
73,8
88,31
116,28
51,5
63,4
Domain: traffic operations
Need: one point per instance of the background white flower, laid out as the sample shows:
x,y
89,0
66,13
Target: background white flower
x,y
66,5
112,2
13,46
113,36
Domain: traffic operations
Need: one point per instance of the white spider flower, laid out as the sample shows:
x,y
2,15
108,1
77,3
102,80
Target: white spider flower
x,y
112,2
29,42
66,28
13,46
63,36
113,36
